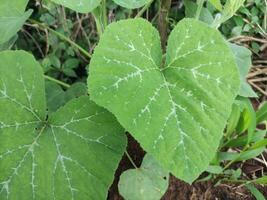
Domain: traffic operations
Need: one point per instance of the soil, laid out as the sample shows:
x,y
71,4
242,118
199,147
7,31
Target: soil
x,y
179,190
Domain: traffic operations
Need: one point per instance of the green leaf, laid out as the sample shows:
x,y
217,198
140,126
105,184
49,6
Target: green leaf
x,y
71,155
230,8
12,17
214,169
247,120
149,182
191,9
131,4
217,4
262,180
256,193
55,96
233,120
243,60
262,113
7,45
76,90
246,155
242,140
81,6
176,111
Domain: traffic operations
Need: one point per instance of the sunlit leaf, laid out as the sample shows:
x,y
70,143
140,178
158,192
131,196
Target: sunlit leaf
x,y
175,110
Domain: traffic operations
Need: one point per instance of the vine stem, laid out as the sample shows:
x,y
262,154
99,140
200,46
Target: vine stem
x,y
199,8
131,160
57,81
141,12
61,36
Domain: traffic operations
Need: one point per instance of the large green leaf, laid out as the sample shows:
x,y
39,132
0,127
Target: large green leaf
x,y
243,60
149,182
131,4
81,6
71,155
174,111
12,17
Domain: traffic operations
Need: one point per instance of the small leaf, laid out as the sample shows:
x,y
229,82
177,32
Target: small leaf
x,y
214,169
7,45
149,182
174,111
81,6
191,8
131,4
76,90
217,4
228,11
243,60
247,120
246,155
233,120
55,96
242,140
71,155
262,113
12,17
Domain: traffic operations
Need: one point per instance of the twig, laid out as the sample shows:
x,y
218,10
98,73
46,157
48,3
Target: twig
x,y
141,12
258,88
131,160
243,38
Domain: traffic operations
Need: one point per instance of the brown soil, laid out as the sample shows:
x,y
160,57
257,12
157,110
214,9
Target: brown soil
x,y
179,190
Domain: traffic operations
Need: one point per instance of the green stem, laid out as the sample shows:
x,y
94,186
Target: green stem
x,y
57,81
141,12
97,16
199,8
104,13
61,36
130,159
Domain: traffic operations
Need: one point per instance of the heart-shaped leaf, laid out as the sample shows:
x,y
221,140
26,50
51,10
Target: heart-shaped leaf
x,y
12,17
177,112
149,182
81,6
131,4
71,155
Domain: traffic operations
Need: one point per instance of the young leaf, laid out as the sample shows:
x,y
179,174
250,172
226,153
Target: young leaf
x,y
12,17
131,4
81,6
150,182
243,60
175,111
71,155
